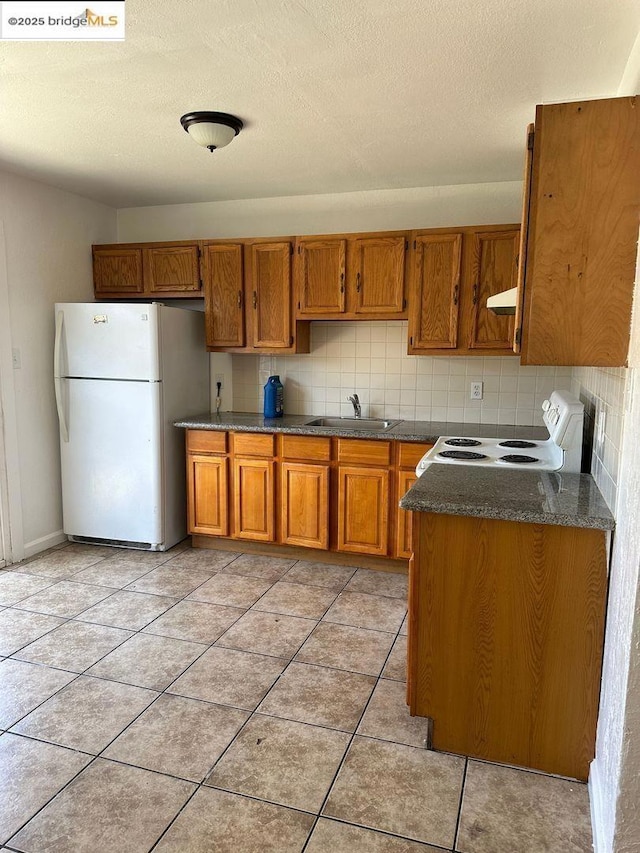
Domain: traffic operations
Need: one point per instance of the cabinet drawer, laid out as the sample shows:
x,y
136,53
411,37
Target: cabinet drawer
x,y
206,441
252,444
363,452
410,453
301,447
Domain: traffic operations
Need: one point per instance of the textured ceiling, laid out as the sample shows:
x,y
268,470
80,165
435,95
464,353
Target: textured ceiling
x,y
336,95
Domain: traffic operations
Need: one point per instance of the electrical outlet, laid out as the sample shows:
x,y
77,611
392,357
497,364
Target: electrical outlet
x,y
476,391
220,379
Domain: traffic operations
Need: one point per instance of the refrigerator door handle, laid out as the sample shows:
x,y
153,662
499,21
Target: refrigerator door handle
x,y
57,382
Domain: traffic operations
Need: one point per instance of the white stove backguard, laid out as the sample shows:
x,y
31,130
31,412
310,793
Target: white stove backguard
x,y
563,415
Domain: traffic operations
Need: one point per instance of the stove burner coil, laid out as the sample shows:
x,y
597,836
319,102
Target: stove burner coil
x,y
517,443
464,442
518,459
464,455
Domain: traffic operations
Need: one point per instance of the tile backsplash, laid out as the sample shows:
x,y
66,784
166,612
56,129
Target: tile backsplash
x,y
602,390
370,358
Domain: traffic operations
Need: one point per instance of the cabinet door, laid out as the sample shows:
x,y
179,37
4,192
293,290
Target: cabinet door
x,y
270,289
305,504
117,271
435,292
363,501
320,272
223,295
494,268
379,275
253,499
207,486
403,519
583,233
172,268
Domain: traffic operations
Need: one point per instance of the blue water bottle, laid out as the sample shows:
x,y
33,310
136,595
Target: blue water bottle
x,y
273,398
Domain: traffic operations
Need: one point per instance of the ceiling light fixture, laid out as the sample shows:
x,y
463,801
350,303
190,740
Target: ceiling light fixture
x,y
211,130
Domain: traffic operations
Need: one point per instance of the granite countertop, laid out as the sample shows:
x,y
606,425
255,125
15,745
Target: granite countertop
x,y
427,431
539,497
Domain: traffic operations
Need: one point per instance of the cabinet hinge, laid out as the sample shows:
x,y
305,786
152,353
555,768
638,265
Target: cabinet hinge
x,y
518,337
415,244
411,340
291,248
291,341
299,250
404,304
298,306
406,245
530,137
200,284
199,250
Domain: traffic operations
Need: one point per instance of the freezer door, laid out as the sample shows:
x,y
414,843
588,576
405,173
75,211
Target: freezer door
x,y
111,463
107,340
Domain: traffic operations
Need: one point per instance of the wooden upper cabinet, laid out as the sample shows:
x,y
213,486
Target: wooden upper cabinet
x,y
269,288
320,276
174,269
583,233
117,270
147,269
494,268
223,294
434,294
378,268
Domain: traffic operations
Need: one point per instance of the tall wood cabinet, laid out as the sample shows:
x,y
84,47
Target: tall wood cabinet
x,y
452,275
582,233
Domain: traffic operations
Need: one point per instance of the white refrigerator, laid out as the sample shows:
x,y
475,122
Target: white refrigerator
x,y
124,372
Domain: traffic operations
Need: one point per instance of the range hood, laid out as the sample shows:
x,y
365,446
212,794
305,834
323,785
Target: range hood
x,y
503,303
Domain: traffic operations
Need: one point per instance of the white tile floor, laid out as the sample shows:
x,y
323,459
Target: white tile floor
x,y
197,701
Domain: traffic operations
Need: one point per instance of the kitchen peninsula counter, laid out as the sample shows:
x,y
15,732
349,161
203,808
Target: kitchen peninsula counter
x,y
538,497
424,431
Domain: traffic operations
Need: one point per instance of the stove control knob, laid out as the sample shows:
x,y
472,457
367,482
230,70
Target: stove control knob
x,y
545,405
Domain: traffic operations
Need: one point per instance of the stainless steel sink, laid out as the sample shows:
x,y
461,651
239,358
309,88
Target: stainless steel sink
x,y
355,424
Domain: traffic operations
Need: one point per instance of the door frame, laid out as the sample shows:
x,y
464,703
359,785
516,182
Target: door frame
x,y
11,532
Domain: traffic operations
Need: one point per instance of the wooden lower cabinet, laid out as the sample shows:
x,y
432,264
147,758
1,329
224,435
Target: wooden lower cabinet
x,y
208,486
363,515
506,628
304,505
254,499
318,492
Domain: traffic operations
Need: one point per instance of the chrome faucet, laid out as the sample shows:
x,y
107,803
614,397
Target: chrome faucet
x,y
357,408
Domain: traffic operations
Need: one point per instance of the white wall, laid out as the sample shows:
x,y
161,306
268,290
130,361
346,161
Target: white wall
x,y
374,210
615,772
48,237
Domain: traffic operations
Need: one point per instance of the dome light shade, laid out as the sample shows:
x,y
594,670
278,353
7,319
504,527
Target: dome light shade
x,y
211,130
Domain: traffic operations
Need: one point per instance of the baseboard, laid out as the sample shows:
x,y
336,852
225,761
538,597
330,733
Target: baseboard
x,y
37,545
597,814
